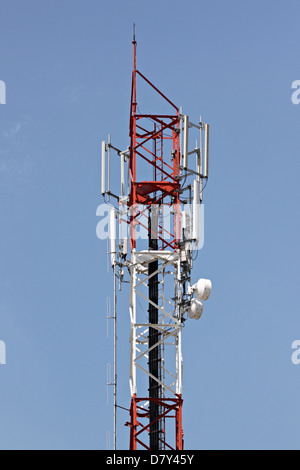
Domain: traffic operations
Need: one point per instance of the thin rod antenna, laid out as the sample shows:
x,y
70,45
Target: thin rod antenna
x,y
201,159
134,50
108,168
115,359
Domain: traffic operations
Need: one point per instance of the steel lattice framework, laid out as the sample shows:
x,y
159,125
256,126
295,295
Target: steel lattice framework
x,y
147,144
161,293
169,328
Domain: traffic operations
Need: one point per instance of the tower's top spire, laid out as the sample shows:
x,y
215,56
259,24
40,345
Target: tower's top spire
x,y
134,51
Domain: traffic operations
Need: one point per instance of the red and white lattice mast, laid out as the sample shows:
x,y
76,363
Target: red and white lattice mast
x,y
160,212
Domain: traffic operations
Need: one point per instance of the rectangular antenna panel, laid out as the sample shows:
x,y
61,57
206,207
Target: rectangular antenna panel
x,y
206,150
186,142
122,174
125,246
112,223
196,211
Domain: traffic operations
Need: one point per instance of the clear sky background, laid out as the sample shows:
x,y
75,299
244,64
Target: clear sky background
x,y
67,67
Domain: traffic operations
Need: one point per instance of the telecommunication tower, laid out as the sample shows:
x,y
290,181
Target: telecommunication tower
x,y
159,215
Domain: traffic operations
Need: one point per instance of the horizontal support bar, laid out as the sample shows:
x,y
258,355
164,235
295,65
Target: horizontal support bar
x,y
158,326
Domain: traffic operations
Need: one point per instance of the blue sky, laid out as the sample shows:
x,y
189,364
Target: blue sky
x,y
67,68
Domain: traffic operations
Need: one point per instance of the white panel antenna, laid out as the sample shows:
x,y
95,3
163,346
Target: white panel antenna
x,y
125,247
196,211
186,227
122,174
186,142
112,223
206,150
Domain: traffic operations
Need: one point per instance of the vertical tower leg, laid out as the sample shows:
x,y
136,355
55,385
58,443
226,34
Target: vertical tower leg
x,y
154,354
179,431
133,424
